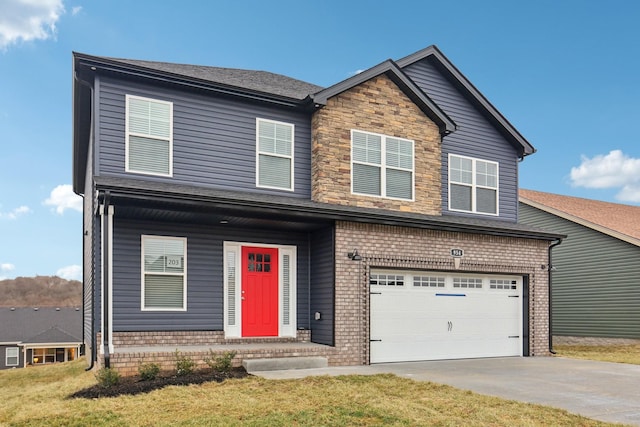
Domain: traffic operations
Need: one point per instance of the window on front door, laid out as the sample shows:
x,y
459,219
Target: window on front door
x,y
260,290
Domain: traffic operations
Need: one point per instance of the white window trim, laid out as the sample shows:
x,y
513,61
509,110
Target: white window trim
x,y
127,134
291,157
184,274
7,356
473,185
235,331
383,167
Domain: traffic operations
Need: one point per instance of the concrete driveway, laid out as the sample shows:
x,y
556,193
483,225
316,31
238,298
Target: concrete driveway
x,y
598,390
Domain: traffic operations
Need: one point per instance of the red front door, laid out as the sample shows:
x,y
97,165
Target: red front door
x,y
259,292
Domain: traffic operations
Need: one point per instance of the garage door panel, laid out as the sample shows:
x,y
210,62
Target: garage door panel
x,y
410,323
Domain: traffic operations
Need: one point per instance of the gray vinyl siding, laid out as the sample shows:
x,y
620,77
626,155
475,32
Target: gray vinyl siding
x,y
88,253
214,138
475,137
596,283
204,274
322,286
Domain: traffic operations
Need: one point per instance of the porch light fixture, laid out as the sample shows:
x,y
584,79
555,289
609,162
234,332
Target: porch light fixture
x,y
354,256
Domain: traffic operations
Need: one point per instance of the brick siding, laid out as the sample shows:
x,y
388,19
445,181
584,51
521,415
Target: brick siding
x,y
402,247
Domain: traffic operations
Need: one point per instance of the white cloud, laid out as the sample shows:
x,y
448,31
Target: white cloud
x,y
353,73
7,267
62,197
613,170
15,213
75,10
71,272
26,20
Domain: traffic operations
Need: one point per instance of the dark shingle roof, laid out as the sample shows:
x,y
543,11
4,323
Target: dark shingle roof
x,y
52,335
23,323
260,81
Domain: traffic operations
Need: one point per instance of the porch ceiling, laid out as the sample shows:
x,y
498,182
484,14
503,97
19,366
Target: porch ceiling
x,y
167,211
176,202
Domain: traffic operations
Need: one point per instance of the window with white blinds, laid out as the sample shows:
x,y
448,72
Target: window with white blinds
x,y
274,157
164,284
149,136
473,185
12,356
381,165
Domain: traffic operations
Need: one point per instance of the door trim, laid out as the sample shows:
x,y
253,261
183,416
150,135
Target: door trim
x,y
287,281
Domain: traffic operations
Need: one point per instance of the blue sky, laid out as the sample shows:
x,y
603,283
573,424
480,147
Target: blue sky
x,y
565,73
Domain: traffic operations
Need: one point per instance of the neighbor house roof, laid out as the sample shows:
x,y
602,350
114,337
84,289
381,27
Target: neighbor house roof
x,y
53,335
18,324
617,220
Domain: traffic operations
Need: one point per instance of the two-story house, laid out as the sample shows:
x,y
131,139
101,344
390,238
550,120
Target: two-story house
x,y
371,221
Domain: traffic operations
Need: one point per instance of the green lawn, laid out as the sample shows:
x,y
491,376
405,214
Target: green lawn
x,y
38,396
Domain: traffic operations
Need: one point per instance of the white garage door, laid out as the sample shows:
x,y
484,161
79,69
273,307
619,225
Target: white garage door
x,y
430,315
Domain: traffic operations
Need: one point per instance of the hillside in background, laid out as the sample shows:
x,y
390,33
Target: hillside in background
x,y
40,291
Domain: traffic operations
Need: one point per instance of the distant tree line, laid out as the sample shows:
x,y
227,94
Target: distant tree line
x,y
40,291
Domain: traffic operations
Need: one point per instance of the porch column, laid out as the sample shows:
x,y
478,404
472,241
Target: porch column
x,y
106,284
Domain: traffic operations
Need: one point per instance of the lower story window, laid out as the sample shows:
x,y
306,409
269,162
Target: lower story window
x,y
43,355
164,273
12,356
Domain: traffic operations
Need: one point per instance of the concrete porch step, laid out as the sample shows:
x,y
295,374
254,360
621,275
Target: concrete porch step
x,y
284,363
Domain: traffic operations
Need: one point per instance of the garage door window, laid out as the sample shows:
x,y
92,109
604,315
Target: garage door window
x,y
428,281
386,280
467,283
502,284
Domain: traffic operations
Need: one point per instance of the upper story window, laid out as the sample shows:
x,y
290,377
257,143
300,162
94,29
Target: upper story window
x,y
164,273
274,154
381,165
473,185
149,136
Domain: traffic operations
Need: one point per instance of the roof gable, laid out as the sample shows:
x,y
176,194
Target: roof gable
x,y
471,92
616,220
51,336
391,70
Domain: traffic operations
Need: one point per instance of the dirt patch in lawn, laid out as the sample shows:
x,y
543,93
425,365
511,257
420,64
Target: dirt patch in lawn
x,y
136,385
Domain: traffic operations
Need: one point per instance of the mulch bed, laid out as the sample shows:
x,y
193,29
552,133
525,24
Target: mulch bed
x,y
136,385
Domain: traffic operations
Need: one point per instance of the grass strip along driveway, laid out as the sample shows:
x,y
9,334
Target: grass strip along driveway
x,y
39,396
603,353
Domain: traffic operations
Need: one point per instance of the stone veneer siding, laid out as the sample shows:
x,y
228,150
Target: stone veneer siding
x,y
377,106
411,248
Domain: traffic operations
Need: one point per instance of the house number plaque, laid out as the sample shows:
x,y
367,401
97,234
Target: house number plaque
x,y
457,253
